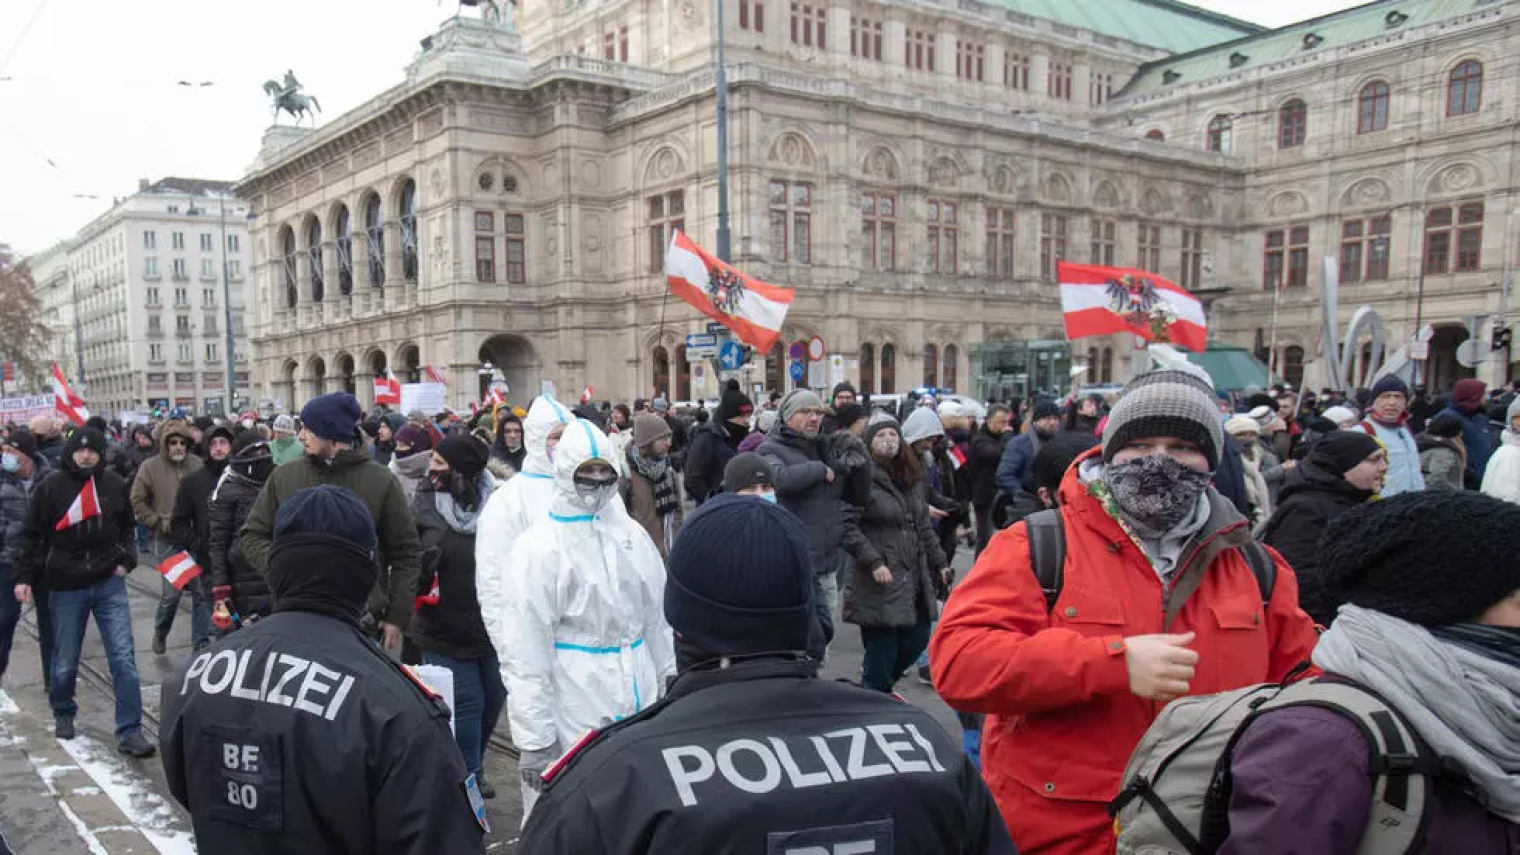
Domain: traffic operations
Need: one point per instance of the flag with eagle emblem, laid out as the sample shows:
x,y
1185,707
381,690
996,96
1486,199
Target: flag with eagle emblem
x,y
1099,300
754,310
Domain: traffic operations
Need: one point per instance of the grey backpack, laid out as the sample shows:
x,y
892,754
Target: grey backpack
x,y
1178,783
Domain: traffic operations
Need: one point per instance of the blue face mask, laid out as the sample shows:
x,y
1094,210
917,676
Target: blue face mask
x,y
769,497
10,462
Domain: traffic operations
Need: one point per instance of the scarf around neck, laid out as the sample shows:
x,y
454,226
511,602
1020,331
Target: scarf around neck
x,y
665,500
1462,700
458,518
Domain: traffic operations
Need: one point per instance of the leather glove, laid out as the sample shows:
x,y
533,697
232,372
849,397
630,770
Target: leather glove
x,y
532,764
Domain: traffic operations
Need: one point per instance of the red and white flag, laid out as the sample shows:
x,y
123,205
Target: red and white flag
x,y
68,404
85,505
586,395
1112,300
957,457
433,374
495,397
754,310
387,390
179,569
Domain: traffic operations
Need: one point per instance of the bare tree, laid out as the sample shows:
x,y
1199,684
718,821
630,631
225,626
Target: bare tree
x,y
23,336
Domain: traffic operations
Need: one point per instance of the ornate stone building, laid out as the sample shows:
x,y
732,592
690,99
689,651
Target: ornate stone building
x,y
913,170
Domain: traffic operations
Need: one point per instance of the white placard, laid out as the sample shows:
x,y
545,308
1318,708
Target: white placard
x,y
430,398
130,417
439,678
815,375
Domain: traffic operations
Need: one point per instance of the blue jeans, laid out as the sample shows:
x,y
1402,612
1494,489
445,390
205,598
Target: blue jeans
x,y
479,696
200,610
108,601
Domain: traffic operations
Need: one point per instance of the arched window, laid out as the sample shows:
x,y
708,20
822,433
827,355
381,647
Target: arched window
x,y
345,248
409,231
948,376
1106,372
1221,128
888,369
1465,93
1155,134
1092,365
374,241
683,374
1372,108
1293,365
867,368
288,254
1292,124
314,255
931,366
661,376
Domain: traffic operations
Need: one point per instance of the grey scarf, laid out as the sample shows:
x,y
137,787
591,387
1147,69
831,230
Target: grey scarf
x,y
1464,704
458,518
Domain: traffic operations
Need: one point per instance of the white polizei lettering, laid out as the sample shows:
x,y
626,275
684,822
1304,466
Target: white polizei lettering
x,y
684,777
799,779
857,768
195,670
926,745
277,695
732,774
239,691
835,770
268,671
894,750
215,686
338,696
313,684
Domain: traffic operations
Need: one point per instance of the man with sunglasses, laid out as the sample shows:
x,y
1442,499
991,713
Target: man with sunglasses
x,y
153,493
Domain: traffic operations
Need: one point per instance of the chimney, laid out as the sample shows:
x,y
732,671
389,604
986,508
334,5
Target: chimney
x,y
142,184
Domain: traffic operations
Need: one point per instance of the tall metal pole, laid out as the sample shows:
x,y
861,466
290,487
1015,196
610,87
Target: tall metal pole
x,y
78,333
226,301
722,87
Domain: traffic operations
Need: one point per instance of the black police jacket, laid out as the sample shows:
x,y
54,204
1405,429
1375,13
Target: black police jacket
x,y
298,735
763,757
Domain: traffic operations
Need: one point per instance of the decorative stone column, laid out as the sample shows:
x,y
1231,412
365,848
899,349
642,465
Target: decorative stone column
x,y
332,293
395,285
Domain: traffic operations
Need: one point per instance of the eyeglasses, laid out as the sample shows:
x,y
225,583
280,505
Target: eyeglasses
x,y
179,442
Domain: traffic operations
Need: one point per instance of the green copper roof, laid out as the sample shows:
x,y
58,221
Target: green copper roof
x,y
1345,27
1164,24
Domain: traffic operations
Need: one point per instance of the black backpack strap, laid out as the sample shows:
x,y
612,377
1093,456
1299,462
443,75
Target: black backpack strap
x,y
1047,552
1262,567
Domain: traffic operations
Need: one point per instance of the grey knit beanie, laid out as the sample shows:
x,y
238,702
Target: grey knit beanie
x,y
796,401
1168,402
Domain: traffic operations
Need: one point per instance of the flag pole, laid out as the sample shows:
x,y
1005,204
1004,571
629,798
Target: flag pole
x,y
721,84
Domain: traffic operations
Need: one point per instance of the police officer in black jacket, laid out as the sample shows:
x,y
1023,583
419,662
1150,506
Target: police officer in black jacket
x,y
749,751
298,734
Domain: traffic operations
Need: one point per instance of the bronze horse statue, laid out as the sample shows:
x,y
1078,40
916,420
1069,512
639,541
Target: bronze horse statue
x,y
292,101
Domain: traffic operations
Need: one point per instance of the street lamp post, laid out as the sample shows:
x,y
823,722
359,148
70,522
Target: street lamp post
x,y
721,84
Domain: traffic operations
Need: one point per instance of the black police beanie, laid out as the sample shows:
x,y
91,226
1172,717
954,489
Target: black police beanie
x,y
85,438
747,470
1343,450
464,453
1432,558
327,510
739,579
1044,408
734,402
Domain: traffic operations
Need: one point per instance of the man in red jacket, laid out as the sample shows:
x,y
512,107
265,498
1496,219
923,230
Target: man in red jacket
x,y
1158,600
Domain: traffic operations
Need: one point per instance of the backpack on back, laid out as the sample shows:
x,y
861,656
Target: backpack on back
x,y
1178,783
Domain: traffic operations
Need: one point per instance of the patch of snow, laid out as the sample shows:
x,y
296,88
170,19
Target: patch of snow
x,y
133,795
86,791
7,706
83,830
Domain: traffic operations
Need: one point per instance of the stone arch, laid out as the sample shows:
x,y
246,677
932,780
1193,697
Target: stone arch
x,y
881,163
398,187
407,366
1288,203
513,355
1154,201
1003,180
505,176
316,376
1199,206
1106,195
794,150
668,337
287,383
665,163
1057,187
1457,177
375,361
1366,192
345,372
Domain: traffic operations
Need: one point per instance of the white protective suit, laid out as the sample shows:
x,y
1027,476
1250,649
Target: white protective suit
x,y
512,510
1502,477
587,642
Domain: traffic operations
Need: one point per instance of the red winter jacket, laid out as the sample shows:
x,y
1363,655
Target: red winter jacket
x,y
1062,721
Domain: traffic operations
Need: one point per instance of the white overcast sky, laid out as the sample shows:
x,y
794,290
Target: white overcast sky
x,y
90,101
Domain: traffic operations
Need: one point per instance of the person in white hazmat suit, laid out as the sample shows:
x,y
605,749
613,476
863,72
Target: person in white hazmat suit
x,y
586,639
511,510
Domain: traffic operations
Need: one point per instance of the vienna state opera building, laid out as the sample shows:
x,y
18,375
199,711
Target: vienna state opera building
x,y
914,169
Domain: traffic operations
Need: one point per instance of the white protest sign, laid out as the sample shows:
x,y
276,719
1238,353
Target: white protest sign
x,y
430,398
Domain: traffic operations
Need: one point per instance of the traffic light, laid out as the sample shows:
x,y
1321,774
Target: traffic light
x,y
1501,338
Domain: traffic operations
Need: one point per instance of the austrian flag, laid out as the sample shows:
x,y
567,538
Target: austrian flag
x,y
69,405
387,390
1114,300
754,310
179,569
85,505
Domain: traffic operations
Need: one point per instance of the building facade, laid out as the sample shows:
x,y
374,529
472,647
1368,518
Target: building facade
x,y
149,282
914,171
51,276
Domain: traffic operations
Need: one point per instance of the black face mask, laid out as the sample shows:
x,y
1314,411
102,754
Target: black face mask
x,y
260,469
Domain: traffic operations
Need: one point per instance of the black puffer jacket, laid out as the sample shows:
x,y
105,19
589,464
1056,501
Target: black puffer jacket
x,y
712,446
229,507
131,456
893,529
986,451
1310,499
80,555
453,627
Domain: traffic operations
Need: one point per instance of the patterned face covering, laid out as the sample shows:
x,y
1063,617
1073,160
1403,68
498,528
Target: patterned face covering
x,y
1155,490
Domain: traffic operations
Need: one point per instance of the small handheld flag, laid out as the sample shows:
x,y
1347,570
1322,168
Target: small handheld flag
x,y
387,390
586,395
68,404
84,506
957,457
179,569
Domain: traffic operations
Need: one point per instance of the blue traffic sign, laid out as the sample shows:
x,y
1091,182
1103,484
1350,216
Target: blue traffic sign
x,y
697,340
798,371
731,355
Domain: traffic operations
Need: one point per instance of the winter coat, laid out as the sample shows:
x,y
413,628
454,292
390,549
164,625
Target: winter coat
x,y
83,554
15,501
132,455
286,449
157,483
411,471
712,446
1272,470
453,627
391,600
1442,462
1312,498
802,487
638,497
1230,475
893,530
1502,477
50,449
1062,721
986,451
1306,769
1018,457
231,502
1476,440
190,524
1404,472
